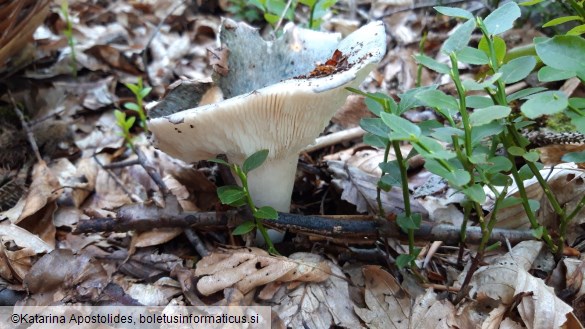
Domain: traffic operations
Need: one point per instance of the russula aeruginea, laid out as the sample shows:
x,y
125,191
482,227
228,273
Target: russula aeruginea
x,y
283,117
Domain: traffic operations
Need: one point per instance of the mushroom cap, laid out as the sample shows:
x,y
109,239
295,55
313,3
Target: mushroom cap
x,y
283,117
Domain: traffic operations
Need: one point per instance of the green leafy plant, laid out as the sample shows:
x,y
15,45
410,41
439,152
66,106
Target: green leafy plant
x,y
125,123
579,16
69,35
237,196
140,92
244,10
477,126
273,10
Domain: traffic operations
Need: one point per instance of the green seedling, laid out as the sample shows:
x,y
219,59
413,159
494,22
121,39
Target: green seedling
x,y
125,123
140,92
237,196
69,35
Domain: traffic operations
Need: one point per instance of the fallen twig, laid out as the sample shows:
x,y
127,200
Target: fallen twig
x,y
143,218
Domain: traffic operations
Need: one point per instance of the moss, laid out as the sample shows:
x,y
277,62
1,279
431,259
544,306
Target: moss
x,y
560,122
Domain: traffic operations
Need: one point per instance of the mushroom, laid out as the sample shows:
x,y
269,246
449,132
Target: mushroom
x,y
283,117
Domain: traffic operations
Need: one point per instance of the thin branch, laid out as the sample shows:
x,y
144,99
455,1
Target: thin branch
x,y
26,127
335,138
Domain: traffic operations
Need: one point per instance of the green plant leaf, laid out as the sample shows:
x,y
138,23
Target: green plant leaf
x,y
579,123
538,232
134,88
231,195
524,93
266,213
457,177
498,164
404,260
459,38
548,74
517,69
525,173
259,4
534,205
376,141
561,20
374,105
499,179
375,126
474,85
129,123
502,19
220,161
408,99
577,30
516,151
499,48
132,106
488,114
478,133
531,156
120,117
578,157
530,2
477,102
390,180
509,202
445,134
402,129
563,52
406,223
578,102
445,104
454,12
545,103
430,148
476,193
271,18
472,55
245,227
432,64
145,91
254,161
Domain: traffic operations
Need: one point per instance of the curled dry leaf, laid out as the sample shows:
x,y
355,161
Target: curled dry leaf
x,y
566,182
14,262
44,189
359,188
248,268
62,276
316,305
508,278
390,306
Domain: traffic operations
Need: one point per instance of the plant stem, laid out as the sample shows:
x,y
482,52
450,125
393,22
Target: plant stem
x,y
462,104
405,194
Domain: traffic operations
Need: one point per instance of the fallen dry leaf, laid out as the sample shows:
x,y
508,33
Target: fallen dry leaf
x,y
316,305
390,306
359,188
508,277
64,276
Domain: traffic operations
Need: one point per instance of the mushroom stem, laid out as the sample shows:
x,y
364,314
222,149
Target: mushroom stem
x,y
272,183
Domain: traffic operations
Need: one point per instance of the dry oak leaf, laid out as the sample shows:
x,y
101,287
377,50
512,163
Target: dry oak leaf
x,y
247,268
315,305
390,306
539,308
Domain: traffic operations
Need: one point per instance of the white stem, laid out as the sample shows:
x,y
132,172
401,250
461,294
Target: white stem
x,y
272,183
